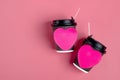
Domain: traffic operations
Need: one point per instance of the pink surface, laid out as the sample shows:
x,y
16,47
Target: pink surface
x,y
65,38
88,57
26,45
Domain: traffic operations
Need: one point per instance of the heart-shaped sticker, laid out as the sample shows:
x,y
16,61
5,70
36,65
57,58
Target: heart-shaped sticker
x,y
88,57
65,38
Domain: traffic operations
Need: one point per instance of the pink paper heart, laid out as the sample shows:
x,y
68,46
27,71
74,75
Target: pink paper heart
x,y
65,38
88,57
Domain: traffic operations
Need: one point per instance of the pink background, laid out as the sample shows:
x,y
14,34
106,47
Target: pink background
x,y
26,46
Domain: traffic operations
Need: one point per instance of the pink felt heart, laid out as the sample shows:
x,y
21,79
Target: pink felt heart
x,y
65,38
88,57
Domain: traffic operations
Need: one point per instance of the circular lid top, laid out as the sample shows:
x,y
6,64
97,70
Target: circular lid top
x,y
95,44
64,22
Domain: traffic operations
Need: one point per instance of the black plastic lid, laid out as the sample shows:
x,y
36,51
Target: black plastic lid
x,y
95,44
64,22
